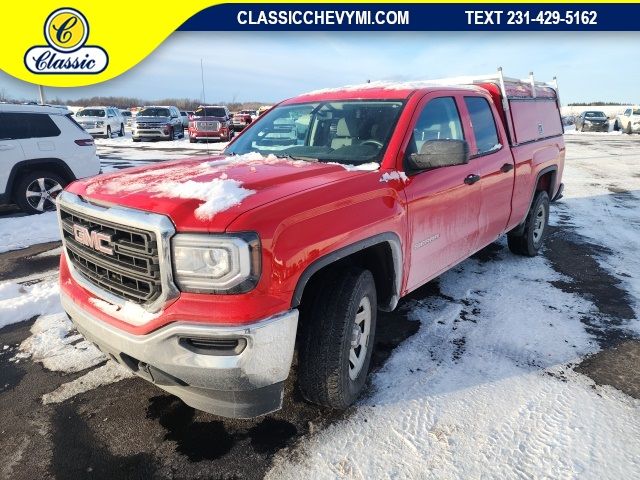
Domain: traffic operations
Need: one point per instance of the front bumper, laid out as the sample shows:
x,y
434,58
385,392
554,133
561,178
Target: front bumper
x,y
151,133
596,127
96,130
226,382
202,135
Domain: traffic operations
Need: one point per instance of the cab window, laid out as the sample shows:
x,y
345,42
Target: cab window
x,y
439,120
483,123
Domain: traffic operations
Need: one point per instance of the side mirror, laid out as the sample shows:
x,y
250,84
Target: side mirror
x,y
439,153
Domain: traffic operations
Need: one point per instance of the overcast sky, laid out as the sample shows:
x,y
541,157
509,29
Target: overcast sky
x,y
271,66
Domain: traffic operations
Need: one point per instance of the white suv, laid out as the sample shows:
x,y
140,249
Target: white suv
x,y
42,149
103,121
629,120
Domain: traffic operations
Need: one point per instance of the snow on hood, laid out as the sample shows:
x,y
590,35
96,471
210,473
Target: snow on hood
x,y
212,188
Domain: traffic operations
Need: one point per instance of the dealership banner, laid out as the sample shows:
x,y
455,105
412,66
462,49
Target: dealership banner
x,y
77,43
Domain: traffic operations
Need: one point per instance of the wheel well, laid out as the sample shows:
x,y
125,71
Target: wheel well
x,y
378,259
546,183
49,165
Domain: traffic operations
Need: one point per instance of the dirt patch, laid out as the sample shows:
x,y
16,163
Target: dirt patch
x,y
21,263
576,258
616,366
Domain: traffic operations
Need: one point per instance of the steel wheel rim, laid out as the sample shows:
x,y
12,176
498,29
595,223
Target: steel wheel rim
x,y
539,223
360,332
41,194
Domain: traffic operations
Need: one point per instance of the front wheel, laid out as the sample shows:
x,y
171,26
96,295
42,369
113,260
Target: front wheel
x,y
628,131
121,132
528,241
108,135
338,333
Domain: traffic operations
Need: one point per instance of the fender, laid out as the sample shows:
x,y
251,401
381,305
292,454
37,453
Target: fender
x,y
389,238
60,166
552,185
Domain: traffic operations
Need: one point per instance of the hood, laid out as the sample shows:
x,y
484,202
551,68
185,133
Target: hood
x,y
208,195
153,119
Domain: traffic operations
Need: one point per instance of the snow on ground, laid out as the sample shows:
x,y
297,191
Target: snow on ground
x,y
22,302
180,143
20,232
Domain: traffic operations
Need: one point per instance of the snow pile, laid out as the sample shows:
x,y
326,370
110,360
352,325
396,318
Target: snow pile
x,y
130,312
389,176
22,302
365,167
178,144
218,195
20,232
58,347
110,372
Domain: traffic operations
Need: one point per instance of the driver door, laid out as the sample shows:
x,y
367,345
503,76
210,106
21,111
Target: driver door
x,y
443,204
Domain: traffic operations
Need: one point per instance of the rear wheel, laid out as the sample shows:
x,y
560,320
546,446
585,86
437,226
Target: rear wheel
x,y
529,240
628,131
108,135
192,140
121,132
172,134
36,192
338,333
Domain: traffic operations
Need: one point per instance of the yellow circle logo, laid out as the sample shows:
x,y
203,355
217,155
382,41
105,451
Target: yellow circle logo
x,y
66,30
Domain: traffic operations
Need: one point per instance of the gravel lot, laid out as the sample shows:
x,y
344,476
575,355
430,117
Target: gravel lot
x,y
502,367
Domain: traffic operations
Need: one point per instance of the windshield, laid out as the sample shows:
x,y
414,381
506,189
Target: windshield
x,y
126,113
210,112
91,112
348,132
636,111
594,114
154,112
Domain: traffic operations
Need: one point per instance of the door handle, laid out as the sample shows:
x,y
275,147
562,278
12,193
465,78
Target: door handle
x,y
507,167
471,179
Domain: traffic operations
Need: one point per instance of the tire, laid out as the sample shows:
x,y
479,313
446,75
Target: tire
x,y
121,132
616,126
28,191
192,140
135,139
331,372
628,131
529,241
108,135
172,134
582,127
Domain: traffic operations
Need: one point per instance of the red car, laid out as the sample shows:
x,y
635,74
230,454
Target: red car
x,y
210,122
204,276
243,118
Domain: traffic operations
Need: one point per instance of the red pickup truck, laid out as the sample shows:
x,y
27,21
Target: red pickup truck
x,y
204,276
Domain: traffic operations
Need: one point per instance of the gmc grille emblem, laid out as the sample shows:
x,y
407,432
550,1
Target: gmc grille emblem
x,y
97,241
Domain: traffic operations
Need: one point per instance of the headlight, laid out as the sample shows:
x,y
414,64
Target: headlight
x,y
216,263
587,121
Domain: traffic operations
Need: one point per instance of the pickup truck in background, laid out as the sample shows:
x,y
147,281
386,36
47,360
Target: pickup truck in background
x,y
203,277
243,118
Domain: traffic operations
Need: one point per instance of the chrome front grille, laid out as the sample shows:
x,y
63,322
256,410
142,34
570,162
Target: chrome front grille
x,y
208,126
131,272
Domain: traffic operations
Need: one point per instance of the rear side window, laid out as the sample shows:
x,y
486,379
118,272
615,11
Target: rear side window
x,y
484,125
16,126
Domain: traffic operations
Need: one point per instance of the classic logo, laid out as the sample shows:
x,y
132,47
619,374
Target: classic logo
x,y
97,241
66,31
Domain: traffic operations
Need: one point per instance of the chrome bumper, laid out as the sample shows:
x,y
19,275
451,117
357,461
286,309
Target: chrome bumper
x,y
234,384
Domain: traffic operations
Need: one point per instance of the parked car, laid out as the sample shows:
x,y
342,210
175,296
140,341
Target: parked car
x,y
285,242
42,149
128,117
184,116
592,120
157,123
629,120
210,122
101,121
243,118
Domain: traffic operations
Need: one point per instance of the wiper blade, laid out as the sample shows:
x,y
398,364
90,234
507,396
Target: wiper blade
x,y
288,156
